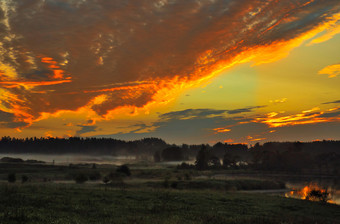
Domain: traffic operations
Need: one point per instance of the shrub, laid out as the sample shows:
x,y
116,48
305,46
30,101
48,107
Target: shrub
x,y
106,179
24,179
124,169
115,179
187,176
80,178
11,178
95,175
174,184
166,182
184,166
318,195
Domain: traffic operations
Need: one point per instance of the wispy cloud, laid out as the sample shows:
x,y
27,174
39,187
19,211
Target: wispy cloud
x,y
311,116
331,102
332,71
244,110
206,113
86,129
192,113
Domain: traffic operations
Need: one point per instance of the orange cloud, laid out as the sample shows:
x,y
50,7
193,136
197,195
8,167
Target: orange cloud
x,y
147,62
29,85
52,64
228,141
305,117
332,71
330,32
221,130
253,139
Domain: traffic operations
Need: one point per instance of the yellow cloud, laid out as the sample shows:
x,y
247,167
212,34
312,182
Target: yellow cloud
x,y
332,71
331,31
305,117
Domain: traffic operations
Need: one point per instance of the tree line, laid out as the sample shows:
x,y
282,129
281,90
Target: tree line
x,y
317,156
321,157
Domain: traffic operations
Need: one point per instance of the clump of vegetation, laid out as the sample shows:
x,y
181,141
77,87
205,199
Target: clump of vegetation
x,y
185,166
124,169
318,195
94,175
11,178
24,179
220,185
157,157
106,179
205,159
80,178
115,179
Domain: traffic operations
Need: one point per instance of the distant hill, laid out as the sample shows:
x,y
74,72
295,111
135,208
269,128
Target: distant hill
x,y
18,160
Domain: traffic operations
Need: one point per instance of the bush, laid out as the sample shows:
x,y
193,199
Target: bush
x,y
174,184
166,182
24,179
124,169
187,176
318,195
106,179
11,178
95,175
184,166
80,178
115,179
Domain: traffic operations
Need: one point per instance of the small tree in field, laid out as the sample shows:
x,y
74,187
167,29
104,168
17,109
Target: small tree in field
x,y
11,178
124,169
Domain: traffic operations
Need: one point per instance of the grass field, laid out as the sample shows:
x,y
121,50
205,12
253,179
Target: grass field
x,y
152,194
66,203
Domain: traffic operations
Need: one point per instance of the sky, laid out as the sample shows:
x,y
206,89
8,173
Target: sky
x,y
193,71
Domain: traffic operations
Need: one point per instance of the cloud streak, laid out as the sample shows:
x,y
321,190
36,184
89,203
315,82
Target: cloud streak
x,y
311,116
332,71
63,55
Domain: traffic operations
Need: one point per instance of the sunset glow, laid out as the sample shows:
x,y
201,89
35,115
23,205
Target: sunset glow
x,y
227,70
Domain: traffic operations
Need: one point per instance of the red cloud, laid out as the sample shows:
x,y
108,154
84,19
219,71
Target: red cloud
x,y
56,57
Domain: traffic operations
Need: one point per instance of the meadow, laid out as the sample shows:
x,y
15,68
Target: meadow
x,y
153,193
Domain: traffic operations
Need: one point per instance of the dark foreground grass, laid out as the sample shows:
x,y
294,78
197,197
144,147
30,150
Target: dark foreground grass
x,y
228,185
56,203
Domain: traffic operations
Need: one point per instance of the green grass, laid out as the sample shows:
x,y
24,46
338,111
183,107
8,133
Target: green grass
x,y
60,203
214,184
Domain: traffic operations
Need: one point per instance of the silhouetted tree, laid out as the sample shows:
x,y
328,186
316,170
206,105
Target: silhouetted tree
x,y
228,160
124,169
202,158
219,149
214,162
173,154
157,157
